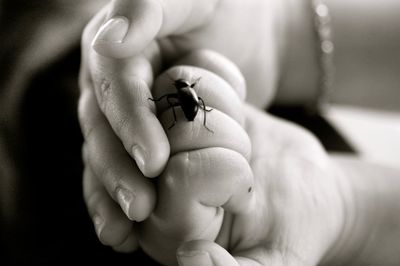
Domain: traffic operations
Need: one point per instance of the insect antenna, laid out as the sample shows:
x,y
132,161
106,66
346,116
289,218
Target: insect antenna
x,y
205,110
196,81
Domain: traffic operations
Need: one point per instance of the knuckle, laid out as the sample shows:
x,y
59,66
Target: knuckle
x,y
107,96
87,126
82,105
106,86
94,200
122,127
84,78
104,89
108,174
86,129
86,36
84,153
87,132
104,168
84,115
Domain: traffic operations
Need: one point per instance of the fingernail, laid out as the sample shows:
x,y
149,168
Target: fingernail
x,y
125,199
113,31
138,155
99,223
195,257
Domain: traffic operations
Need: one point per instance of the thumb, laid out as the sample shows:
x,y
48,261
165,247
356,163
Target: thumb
x,y
208,253
131,25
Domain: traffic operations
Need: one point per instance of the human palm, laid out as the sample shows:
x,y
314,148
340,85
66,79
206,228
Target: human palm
x,y
299,208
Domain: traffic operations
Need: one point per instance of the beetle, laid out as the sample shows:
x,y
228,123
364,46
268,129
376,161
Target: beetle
x,y
186,97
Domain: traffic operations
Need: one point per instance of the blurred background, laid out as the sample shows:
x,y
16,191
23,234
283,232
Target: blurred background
x,y
43,219
366,93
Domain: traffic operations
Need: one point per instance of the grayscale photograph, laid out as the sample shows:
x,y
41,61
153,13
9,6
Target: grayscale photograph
x,y
200,132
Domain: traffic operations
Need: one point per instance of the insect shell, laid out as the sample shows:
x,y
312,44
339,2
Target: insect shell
x,y
187,98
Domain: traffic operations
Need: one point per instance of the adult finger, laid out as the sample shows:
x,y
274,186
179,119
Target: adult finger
x,y
130,244
112,227
124,100
112,165
122,92
208,253
131,25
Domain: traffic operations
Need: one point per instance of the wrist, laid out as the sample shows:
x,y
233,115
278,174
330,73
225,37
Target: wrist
x,y
348,237
299,61
370,233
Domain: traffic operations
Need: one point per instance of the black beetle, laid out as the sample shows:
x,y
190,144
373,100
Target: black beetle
x,y
186,97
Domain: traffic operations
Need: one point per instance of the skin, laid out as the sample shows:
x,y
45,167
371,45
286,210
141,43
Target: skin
x,y
117,72
127,57
221,187
277,210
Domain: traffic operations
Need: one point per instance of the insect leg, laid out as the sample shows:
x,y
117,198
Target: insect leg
x,y
195,82
173,105
203,106
205,114
162,97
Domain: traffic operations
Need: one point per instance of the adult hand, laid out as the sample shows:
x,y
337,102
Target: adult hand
x,y
123,47
110,176
280,203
